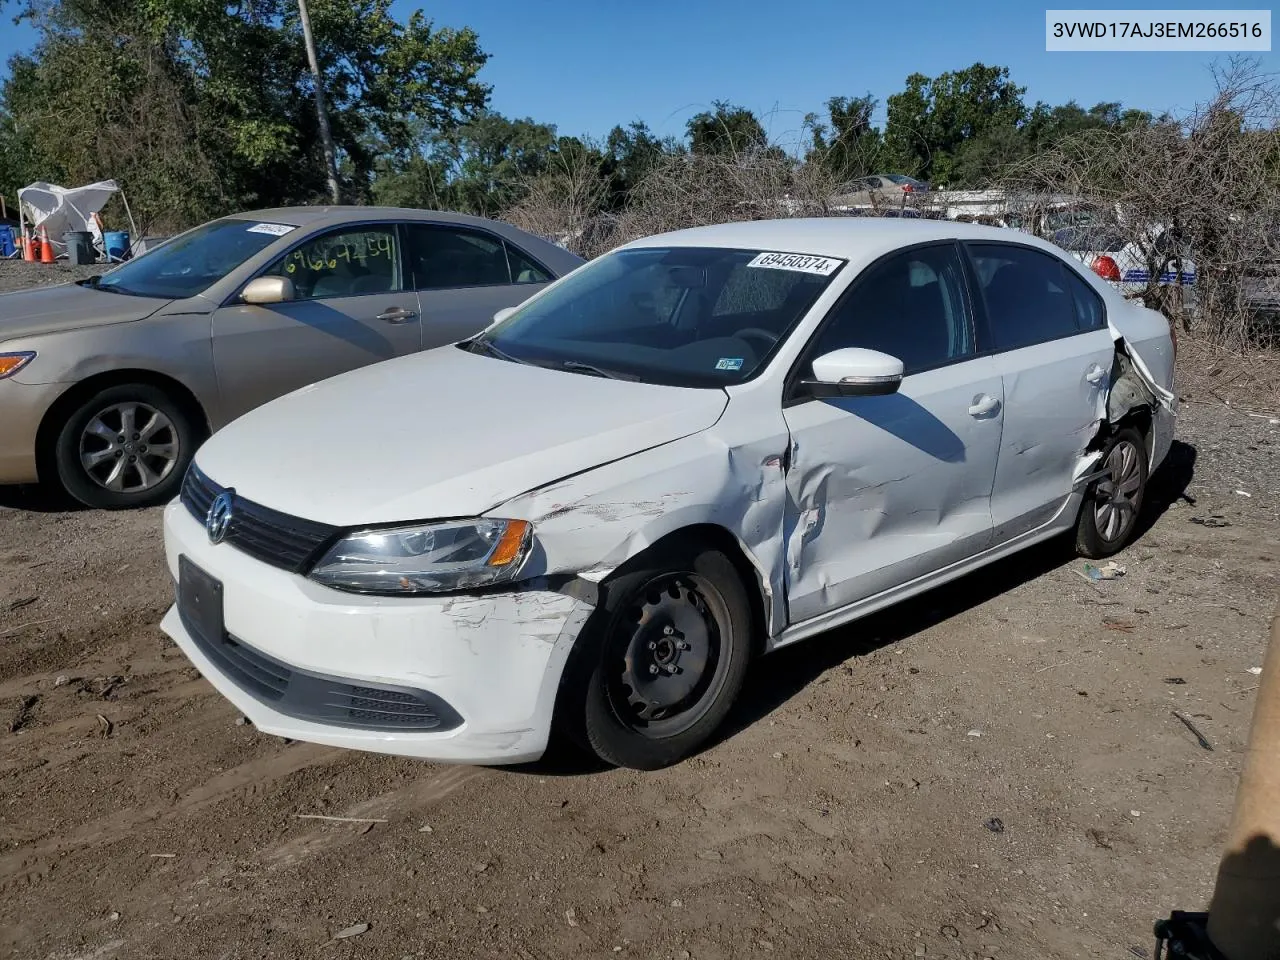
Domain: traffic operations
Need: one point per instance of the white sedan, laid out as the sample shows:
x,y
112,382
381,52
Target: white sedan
x,y
688,453
1123,261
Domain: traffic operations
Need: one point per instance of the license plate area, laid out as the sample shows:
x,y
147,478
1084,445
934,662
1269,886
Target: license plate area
x,y
200,602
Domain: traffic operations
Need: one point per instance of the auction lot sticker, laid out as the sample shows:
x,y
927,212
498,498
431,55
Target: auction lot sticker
x,y
803,263
275,229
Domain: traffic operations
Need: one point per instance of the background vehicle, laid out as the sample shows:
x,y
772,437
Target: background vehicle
x,y
881,190
109,384
729,439
1128,263
890,183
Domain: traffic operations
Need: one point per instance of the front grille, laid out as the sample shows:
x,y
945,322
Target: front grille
x,y
289,543
319,698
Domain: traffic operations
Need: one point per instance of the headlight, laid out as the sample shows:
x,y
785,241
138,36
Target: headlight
x,y
11,363
430,558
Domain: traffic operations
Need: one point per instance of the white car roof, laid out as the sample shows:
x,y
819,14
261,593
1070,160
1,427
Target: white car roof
x,y
857,239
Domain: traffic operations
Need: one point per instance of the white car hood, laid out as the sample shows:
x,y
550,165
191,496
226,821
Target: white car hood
x,y
444,433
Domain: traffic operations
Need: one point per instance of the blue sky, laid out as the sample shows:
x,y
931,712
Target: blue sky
x,y
585,65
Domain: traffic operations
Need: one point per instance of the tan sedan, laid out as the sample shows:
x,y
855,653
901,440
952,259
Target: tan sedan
x,y
108,385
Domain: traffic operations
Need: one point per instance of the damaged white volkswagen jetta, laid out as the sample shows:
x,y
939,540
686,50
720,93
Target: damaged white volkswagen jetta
x,y
687,453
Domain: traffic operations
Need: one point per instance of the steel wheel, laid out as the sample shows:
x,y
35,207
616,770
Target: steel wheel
x,y
667,663
1117,497
129,447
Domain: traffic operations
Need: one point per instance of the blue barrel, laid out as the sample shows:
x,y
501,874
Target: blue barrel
x,y
7,247
117,244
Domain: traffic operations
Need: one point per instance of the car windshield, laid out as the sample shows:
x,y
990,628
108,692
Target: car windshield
x,y
682,316
191,263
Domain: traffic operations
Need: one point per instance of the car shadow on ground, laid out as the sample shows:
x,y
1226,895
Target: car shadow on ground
x,y
792,669
37,499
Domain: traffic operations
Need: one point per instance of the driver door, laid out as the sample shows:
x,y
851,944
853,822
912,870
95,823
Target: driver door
x,y
885,489
352,308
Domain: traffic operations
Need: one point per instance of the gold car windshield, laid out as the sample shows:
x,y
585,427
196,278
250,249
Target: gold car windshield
x,y
191,263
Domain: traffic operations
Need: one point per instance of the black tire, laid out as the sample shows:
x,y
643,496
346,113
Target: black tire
x,y
148,478
1112,505
629,715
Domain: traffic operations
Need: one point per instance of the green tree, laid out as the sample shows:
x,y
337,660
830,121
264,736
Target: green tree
x,y
631,153
492,158
846,145
726,129
202,107
931,119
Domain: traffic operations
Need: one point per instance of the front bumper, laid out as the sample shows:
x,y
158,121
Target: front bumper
x,y
494,659
24,406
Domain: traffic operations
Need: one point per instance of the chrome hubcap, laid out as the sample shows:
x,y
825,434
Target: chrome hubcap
x,y
1116,500
128,447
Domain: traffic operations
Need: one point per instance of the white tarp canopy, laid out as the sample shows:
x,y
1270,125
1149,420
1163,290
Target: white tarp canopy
x,y
59,209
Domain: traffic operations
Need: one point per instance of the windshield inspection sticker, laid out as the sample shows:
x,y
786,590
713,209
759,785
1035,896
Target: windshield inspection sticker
x,y
275,229
822,266
729,363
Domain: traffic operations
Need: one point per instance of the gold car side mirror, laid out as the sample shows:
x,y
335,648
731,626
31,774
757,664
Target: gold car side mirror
x,y
262,290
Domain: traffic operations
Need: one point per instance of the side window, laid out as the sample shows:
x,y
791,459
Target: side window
x,y
524,270
1027,295
1089,310
445,257
345,263
911,306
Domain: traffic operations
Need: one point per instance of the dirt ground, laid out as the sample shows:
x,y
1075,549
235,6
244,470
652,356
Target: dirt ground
x,y
994,770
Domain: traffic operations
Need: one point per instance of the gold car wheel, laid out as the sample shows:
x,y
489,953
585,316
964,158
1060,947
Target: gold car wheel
x,y
129,447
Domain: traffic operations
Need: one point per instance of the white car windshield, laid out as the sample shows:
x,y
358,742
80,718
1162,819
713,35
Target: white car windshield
x,y
683,316
189,264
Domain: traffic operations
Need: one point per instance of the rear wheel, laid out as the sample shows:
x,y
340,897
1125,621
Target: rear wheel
x,y
1109,514
663,660
125,446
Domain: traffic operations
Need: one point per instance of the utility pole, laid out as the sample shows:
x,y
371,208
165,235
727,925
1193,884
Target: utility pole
x,y
326,135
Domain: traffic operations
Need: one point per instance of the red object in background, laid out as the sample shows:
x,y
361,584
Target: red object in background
x,y
1106,268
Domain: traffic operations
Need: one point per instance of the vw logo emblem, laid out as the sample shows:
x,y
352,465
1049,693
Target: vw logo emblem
x,y
218,519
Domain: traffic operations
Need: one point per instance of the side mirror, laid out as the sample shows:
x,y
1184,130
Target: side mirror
x,y
855,372
503,314
262,290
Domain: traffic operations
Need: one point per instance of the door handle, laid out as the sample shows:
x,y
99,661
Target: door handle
x,y
983,405
1095,374
397,315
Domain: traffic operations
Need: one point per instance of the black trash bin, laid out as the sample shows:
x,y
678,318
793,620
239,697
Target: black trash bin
x,y
79,247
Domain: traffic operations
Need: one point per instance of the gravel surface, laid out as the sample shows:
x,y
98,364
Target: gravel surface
x,y
18,275
992,770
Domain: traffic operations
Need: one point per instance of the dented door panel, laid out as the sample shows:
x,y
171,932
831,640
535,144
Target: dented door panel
x,y
881,490
1055,397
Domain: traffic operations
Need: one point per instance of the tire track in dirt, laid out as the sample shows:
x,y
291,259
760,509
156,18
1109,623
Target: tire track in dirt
x,y
246,781
327,837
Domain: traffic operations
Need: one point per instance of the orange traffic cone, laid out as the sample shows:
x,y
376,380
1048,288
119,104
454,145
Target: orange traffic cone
x,y
27,252
46,248
33,247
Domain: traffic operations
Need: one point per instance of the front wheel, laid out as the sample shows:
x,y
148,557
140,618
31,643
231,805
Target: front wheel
x,y
1109,514
125,446
664,658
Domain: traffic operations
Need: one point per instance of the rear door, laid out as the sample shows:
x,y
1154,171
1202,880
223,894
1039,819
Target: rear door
x,y
352,308
1047,332
463,276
